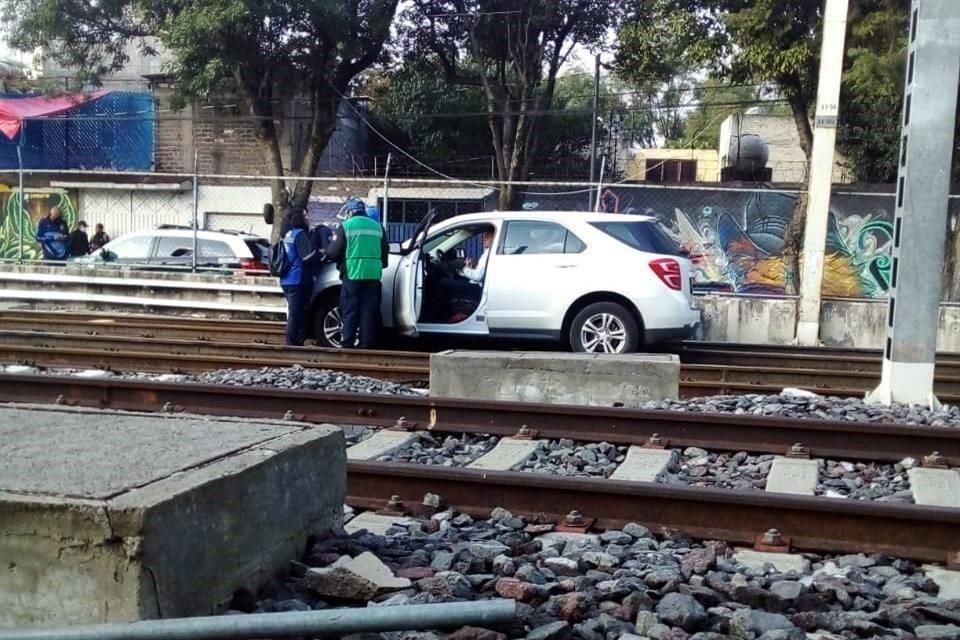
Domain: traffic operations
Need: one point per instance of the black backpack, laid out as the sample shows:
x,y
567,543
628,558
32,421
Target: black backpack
x,y
279,260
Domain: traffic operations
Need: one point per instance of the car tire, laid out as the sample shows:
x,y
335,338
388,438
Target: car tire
x,y
326,323
604,327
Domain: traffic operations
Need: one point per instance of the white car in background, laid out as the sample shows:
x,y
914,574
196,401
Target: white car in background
x,y
600,283
172,246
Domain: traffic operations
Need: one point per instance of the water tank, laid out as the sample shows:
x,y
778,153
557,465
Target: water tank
x,y
748,151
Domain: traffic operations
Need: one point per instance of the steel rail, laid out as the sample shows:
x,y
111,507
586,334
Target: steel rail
x,y
131,353
719,432
191,356
807,523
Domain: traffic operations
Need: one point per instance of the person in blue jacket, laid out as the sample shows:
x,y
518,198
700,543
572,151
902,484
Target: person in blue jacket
x,y
297,282
52,234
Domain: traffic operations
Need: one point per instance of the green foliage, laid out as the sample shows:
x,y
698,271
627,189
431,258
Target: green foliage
x,y
716,100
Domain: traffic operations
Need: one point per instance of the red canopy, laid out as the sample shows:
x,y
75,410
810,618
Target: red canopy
x,y
13,111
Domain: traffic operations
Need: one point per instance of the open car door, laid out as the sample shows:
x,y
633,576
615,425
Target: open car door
x,y
408,284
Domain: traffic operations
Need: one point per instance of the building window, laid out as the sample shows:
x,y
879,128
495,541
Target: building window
x,y
662,171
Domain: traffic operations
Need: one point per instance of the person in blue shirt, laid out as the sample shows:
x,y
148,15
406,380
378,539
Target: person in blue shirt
x,y
373,212
297,282
52,234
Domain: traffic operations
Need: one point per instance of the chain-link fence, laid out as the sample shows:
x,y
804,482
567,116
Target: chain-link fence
x,y
734,235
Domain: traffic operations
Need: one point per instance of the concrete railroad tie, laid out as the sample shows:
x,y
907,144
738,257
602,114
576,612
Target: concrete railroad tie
x,y
643,465
508,454
794,476
381,443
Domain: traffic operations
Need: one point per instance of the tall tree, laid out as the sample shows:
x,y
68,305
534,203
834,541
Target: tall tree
x,y
745,41
515,49
262,49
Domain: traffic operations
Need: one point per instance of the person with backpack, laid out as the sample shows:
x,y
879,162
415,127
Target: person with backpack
x,y
360,248
290,260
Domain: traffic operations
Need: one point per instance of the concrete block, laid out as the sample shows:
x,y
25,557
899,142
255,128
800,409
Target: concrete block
x,y
748,320
361,578
791,475
372,522
508,454
381,443
947,580
784,562
935,487
558,378
115,517
643,465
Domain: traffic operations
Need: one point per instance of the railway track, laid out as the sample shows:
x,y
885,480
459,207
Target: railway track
x,y
806,523
145,345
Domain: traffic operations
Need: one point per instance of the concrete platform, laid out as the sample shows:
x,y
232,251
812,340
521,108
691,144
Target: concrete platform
x,y
793,475
508,454
381,443
642,465
114,517
556,378
935,487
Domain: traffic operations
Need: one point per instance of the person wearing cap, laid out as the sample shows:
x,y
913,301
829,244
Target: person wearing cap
x,y
78,244
360,248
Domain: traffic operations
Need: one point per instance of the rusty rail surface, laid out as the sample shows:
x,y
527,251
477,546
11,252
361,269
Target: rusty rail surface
x,y
720,432
807,523
186,356
128,353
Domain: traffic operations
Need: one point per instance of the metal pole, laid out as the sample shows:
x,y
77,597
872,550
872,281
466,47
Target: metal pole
x,y
596,106
21,201
196,204
484,613
821,171
603,165
386,192
923,187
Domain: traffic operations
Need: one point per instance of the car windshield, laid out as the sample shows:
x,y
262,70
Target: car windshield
x,y
641,235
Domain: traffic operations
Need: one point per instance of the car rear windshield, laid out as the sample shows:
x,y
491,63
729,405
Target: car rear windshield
x,y
642,236
260,249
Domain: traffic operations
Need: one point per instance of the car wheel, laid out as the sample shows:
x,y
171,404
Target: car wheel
x,y
604,327
327,324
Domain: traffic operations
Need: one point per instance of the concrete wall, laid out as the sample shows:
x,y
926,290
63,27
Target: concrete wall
x,y
561,378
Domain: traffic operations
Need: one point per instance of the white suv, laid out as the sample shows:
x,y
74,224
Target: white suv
x,y
602,283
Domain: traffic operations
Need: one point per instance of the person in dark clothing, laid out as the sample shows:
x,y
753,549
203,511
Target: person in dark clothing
x,y
78,243
297,282
360,248
99,238
52,235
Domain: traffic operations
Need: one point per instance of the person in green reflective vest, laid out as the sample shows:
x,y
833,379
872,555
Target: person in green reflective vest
x,y
361,251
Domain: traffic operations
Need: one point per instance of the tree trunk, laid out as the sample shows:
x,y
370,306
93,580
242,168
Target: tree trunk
x,y
793,238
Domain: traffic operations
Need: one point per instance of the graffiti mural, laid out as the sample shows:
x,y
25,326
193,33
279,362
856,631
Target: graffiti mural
x,y
18,219
735,238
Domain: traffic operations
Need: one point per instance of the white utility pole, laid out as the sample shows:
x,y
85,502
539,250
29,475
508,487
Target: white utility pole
x,y
923,188
821,170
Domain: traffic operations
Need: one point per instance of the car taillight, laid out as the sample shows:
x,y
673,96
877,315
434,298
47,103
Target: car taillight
x,y
668,270
250,264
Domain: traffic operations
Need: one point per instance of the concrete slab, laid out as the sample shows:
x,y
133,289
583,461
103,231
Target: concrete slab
x,y
947,580
372,522
793,475
114,517
935,487
643,465
784,562
557,378
506,455
381,443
